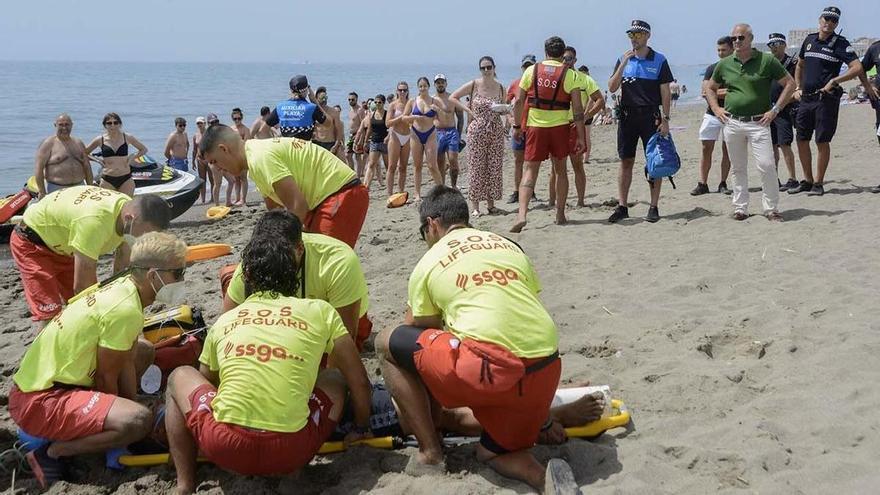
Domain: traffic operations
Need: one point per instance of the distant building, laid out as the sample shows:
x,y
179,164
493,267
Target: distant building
x,y
796,37
861,44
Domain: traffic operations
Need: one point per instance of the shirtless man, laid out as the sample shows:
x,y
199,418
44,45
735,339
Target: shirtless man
x,y
353,156
240,184
328,134
61,160
177,146
199,165
449,124
260,129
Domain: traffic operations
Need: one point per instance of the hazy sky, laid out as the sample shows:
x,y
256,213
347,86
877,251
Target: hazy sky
x,y
446,31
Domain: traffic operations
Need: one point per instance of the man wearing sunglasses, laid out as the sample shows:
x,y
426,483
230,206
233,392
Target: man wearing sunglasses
x,y
818,88
475,335
747,115
354,156
328,134
782,129
57,245
643,77
77,383
177,146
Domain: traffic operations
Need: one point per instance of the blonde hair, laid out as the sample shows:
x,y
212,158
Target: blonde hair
x,y
158,250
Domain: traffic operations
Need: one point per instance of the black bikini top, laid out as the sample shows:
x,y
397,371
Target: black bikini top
x,y
107,151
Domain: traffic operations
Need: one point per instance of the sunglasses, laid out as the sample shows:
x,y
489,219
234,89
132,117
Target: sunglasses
x,y
738,38
403,90
635,34
177,272
423,229
112,122
352,100
181,125
830,19
236,119
487,67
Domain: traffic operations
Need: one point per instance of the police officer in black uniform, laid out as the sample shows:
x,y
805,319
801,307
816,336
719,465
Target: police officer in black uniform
x,y
782,128
871,60
818,89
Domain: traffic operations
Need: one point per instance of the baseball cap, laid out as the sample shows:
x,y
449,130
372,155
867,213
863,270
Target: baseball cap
x,y
528,60
200,120
639,26
440,77
212,117
299,82
832,12
776,38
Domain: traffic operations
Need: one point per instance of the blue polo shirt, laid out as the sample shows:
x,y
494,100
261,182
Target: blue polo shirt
x,y
640,86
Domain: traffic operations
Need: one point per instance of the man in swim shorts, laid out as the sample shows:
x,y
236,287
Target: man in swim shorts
x,y
177,146
77,383
57,245
475,335
354,156
260,404
61,160
297,175
328,134
329,271
518,145
449,124
260,129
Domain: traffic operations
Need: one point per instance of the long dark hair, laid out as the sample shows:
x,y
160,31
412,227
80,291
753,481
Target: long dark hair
x,y
111,115
490,59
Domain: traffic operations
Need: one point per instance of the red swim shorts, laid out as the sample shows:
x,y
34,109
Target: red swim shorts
x,y
543,142
341,215
60,414
511,418
47,277
257,452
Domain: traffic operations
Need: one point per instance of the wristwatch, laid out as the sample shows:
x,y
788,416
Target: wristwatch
x,y
667,118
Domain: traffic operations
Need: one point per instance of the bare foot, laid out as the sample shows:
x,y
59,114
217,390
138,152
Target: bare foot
x,y
518,226
419,465
582,411
561,220
580,204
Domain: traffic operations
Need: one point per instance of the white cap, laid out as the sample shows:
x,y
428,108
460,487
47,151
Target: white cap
x,y
439,77
200,120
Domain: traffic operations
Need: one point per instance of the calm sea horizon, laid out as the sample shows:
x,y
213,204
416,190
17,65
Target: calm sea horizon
x,y
149,95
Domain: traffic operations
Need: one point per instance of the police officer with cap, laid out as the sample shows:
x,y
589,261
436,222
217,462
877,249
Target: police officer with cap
x,y
643,76
296,116
782,128
818,81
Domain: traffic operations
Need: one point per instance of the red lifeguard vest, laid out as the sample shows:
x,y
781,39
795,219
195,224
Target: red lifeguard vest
x,y
547,81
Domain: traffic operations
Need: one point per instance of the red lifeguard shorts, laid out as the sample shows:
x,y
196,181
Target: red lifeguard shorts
x,y
341,215
47,277
60,414
255,452
511,418
543,142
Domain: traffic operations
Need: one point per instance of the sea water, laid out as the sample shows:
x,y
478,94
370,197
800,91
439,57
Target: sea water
x,y
148,96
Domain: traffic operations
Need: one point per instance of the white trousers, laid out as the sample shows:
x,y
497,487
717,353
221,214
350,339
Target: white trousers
x,y
738,136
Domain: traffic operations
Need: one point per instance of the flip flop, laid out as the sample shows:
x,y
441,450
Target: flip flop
x,y
217,212
495,211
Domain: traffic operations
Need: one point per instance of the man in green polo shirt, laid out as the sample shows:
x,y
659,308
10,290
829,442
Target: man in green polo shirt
x,y
747,116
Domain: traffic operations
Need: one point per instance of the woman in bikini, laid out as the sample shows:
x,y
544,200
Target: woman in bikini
x,y
376,136
420,112
114,160
398,143
485,137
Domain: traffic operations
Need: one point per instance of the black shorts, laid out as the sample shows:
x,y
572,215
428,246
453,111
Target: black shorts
x,y
782,128
327,145
403,344
817,113
635,123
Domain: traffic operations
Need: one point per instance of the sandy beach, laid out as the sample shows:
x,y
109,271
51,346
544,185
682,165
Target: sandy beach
x,y
745,350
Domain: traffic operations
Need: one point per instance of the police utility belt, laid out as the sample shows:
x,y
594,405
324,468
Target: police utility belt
x,y
819,95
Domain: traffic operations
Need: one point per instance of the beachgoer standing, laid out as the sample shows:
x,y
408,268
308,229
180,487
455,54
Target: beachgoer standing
x,y
420,113
200,165
177,146
449,124
710,129
353,155
328,134
399,142
115,160
518,146
61,160
239,182
260,129
747,115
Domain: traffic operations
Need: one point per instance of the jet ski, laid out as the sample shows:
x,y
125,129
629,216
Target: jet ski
x,y
180,189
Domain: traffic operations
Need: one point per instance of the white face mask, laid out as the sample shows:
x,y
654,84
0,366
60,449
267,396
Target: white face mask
x,y
172,294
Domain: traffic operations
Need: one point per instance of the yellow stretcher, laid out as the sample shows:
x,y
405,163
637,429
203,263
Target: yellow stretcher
x,y
620,417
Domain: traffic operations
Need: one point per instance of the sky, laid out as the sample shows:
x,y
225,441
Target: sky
x,y
348,31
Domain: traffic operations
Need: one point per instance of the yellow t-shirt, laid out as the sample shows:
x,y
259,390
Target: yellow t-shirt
x,y
588,86
267,352
317,172
79,218
66,350
332,273
485,288
548,118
